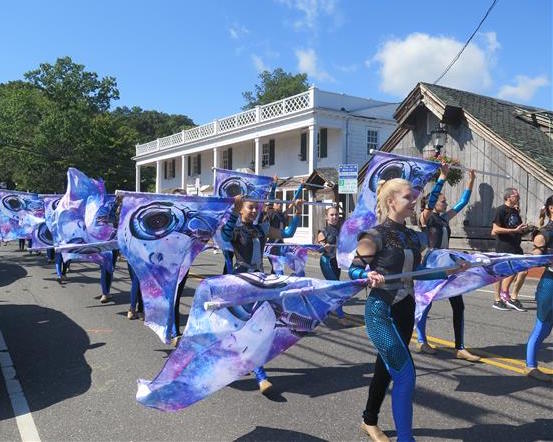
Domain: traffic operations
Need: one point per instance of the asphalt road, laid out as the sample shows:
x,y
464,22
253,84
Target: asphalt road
x,y
78,361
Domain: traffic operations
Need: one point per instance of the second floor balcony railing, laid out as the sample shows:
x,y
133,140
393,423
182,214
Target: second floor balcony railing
x,y
276,109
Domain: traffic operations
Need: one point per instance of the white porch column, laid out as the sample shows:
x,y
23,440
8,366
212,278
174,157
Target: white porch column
x,y
257,156
183,172
158,176
312,150
312,161
137,178
215,163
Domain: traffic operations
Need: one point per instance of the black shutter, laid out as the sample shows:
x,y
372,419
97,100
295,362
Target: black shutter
x,y
189,165
271,152
174,168
165,169
303,147
199,164
229,156
323,143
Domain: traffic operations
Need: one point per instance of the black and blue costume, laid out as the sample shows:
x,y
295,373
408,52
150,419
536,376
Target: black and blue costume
x,y
544,300
389,318
439,232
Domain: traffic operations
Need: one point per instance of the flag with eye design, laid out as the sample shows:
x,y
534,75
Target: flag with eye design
x,y
293,256
20,214
257,317
381,167
160,235
229,183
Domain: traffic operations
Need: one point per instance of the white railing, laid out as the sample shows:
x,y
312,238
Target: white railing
x,y
288,105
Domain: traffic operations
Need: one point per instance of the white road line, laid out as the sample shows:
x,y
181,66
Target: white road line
x,y
493,292
23,417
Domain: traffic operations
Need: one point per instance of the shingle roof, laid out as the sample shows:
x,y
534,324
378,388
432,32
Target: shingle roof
x,y
502,117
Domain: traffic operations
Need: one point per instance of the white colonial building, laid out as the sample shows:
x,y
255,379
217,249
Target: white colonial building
x,y
292,137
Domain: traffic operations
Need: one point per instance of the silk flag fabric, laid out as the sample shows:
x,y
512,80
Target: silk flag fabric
x,y
293,257
20,214
229,183
69,223
220,346
42,235
160,235
496,267
381,167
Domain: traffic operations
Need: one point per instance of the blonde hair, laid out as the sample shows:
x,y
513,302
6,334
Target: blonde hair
x,y
385,190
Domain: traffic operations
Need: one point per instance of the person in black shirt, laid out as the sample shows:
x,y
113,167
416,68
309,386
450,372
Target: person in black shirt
x,y
508,229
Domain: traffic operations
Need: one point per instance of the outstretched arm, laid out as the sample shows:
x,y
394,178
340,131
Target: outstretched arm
x,y
465,197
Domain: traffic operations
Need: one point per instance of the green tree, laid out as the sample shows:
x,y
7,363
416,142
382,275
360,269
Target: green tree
x,y
68,85
274,86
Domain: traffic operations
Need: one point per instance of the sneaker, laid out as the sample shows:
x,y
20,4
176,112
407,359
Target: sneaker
x,y
466,355
539,375
104,299
131,314
374,432
423,347
60,281
265,386
515,304
141,316
500,305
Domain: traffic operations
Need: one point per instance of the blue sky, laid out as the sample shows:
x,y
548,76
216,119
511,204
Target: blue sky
x,y
197,58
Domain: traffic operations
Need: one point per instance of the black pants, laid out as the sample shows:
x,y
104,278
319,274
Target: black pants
x,y
403,314
180,289
229,256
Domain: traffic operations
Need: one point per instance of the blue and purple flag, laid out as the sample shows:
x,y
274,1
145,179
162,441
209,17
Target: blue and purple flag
x,y
381,167
490,268
293,257
229,183
160,235
220,345
42,235
20,214
69,219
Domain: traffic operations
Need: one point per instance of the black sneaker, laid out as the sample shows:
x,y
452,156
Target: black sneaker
x,y
515,304
500,305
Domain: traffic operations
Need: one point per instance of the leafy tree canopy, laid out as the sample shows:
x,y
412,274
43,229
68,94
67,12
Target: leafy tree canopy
x,y
275,86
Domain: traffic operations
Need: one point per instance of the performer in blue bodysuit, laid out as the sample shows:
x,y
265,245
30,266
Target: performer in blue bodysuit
x,y
391,248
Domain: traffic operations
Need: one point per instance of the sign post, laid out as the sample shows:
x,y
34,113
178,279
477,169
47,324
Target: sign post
x,y
347,182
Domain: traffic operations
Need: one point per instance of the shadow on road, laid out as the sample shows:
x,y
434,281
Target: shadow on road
x,y
276,434
313,382
518,351
47,349
539,430
10,273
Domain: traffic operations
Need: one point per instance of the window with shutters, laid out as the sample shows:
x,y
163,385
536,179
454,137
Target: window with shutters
x,y
227,158
289,195
322,147
197,164
372,140
303,147
265,155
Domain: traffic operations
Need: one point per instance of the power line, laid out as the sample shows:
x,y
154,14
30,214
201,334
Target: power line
x,y
450,65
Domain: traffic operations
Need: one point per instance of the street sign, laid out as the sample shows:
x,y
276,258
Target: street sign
x,y
347,178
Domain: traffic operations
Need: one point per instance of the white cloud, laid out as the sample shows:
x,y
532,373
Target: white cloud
x,y
492,44
260,66
524,88
312,10
422,57
237,31
347,69
307,62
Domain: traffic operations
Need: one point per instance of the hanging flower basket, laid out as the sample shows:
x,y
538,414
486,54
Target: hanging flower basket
x,y
454,176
